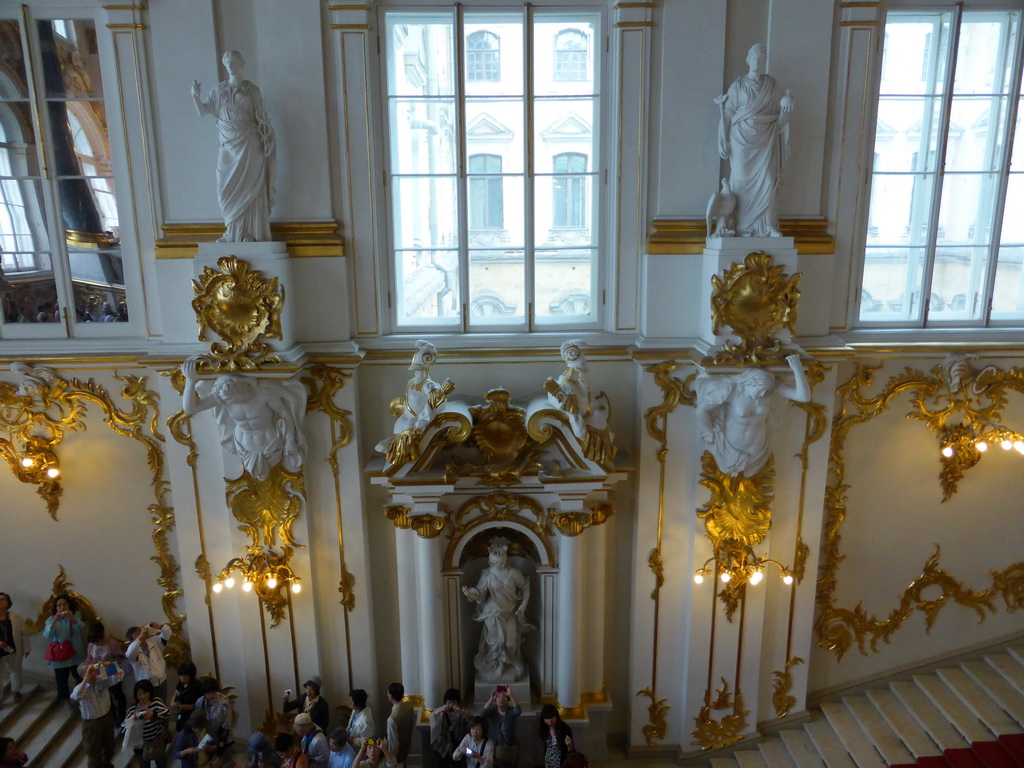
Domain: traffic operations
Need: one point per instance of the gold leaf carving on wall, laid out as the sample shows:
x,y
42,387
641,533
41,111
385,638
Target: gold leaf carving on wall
x,y
62,586
656,726
782,699
715,734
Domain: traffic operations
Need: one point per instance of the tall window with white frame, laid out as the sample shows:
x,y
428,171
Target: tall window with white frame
x,y
59,233
945,238
493,167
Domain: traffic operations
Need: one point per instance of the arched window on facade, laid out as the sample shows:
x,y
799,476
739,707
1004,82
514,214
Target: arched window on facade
x,y
483,58
571,55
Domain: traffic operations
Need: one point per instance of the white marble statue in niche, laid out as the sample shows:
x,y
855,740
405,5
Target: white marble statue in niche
x,y
246,158
734,411
414,411
753,136
502,594
259,420
571,394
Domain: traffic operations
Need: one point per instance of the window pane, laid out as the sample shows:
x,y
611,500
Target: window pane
x,y
425,213
71,63
1017,156
984,56
496,211
968,200
564,46
423,136
914,56
564,282
1008,295
497,280
30,298
957,283
421,59
99,304
892,283
22,216
564,126
907,134
900,209
494,54
496,127
427,285
565,210
976,129
1013,220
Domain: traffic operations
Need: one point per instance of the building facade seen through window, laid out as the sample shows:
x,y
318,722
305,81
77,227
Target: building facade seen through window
x,y
60,247
945,234
493,168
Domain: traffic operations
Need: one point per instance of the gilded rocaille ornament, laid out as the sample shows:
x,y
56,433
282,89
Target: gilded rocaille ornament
x,y
782,699
499,506
656,727
267,508
715,734
243,309
740,507
956,399
755,300
62,586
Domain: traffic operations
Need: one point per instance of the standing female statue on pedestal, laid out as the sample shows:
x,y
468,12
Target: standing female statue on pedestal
x,y
754,137
245,162
503,593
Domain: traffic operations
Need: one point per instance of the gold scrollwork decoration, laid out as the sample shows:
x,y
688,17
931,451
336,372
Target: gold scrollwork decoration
x,y
324,382
654,562
241,307
715,734
740,506
426,526
574,523
782,699
957,388
267,508
675,392
498,506
656,727
755,300
62,586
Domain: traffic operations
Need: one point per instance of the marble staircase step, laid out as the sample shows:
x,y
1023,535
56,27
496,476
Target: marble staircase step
x,y
991,714
802,749
750,758
998,687
58,724
723,762
1009,667
775,754
955,710
831,749
928,716
852,735
903,723
891,748
12,710
31,714
1017,651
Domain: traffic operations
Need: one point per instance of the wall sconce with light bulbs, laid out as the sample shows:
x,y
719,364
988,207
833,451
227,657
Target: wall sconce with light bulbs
x,y
35,463
738,565
265,572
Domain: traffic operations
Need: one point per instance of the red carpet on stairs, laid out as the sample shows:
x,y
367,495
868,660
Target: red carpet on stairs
x,y
1007,752
1014,745
993,755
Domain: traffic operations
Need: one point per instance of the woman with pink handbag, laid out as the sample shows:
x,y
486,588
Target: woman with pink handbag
x,y
66,633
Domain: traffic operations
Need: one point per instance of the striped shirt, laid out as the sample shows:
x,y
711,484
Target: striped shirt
x,y
152,730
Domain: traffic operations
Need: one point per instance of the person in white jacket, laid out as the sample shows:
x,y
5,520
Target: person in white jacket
x,y
13,645
145,653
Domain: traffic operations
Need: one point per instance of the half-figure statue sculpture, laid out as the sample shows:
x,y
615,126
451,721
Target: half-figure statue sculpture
x,y
503,593
260,421
733,414
753,136
246,159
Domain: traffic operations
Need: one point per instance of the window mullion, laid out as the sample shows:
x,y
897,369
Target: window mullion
x,y
462,144
529,236
940,166
51,196
1013,101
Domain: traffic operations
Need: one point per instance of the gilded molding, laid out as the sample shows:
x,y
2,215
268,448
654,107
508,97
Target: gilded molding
x,y
304,239
675,392
715,734
957,389
243,309
689,236
782,699
739,509
755,300
426,526
62,586
656,726
499,506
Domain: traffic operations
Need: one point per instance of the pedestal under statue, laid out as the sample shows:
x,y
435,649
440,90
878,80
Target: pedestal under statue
x,y
246,158
502,593
753,136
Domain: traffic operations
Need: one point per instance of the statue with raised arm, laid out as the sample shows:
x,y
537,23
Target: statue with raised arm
x,y
570,392
260,421
733,414
503,593
416,409
753,136
246,159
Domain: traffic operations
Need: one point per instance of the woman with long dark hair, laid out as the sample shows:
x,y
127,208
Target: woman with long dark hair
x,y
555,735
66,633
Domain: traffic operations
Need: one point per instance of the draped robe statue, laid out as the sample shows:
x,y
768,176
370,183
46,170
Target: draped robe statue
x,y
753,136
246,159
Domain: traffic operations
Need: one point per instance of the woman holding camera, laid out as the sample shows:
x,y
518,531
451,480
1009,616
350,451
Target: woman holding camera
x,y
151,711
66,633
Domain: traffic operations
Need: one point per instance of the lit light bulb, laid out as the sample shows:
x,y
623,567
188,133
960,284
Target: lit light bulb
x,y
27,462
1006,445
247,586
52,472
1019,446
218,587
755,578
947,451
271,582
725,577
296,587
229,582
787,579
982,447
698,578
